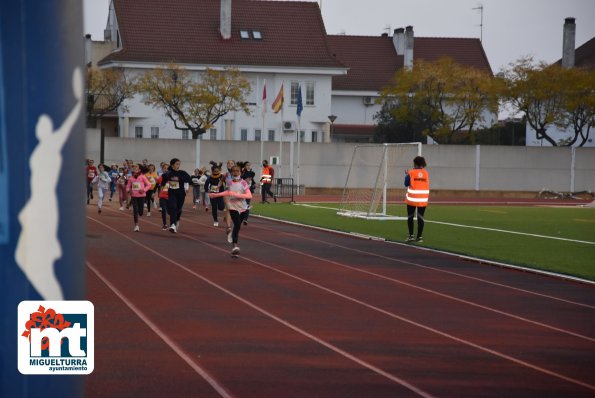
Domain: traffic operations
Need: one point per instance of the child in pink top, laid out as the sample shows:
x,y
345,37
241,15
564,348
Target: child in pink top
x,y
138,185
237,192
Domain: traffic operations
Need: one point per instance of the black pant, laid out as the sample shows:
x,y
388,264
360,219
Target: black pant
x,y
150,193
236,217
246,214
420,219
217,204
175,203
138,204
266,188
163,205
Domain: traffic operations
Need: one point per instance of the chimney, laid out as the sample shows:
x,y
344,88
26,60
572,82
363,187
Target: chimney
x,y
408,47
568,43
225,21
88,50
399,41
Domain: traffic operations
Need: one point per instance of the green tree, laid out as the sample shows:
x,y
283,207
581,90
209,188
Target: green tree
x,y
441,97
578,104
389,129
194,102
107,89
537,90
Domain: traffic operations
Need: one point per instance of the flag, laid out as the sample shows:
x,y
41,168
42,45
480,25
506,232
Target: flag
x,y
300,106
278,102
264,98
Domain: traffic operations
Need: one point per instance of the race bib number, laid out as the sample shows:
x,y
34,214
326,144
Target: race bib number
x,y
174,185
214,189
165,187
136,186
121,181
91,174
152,180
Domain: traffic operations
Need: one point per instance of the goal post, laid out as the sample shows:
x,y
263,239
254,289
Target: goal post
x,y
374,185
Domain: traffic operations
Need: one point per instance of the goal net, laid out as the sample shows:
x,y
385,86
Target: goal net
x,y
374,187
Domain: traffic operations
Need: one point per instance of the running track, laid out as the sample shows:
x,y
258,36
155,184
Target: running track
x,y
308,313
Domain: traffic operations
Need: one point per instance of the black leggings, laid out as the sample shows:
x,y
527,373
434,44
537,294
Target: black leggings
x,y
150,193
163,205
236,217
420,219
217,204
138,204
175,203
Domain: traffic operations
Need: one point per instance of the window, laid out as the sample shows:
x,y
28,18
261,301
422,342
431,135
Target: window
x,y
154,132
138,132
271,135
213,133
257,35
294,90
244,134
302,135
185,134
314,136
257,134
244,34
309,93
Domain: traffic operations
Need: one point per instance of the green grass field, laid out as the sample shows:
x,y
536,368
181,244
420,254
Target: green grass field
x,y
514,244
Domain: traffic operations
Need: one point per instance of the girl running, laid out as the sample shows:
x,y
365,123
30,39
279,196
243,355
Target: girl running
x,y
238,192
195,187
176,179
152,177
103,181
137,186
215,184
163,197
121,182
248,175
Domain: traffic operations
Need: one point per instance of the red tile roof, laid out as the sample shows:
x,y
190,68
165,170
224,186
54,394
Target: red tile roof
x,y
187,31
372,60
584,56
354,129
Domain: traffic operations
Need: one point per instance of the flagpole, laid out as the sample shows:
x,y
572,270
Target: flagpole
x,y
264,111
299,133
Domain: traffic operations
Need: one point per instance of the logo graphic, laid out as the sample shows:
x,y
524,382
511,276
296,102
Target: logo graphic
x,y
56,337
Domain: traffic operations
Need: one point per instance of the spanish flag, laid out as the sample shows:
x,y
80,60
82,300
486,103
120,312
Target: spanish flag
x,y
278,102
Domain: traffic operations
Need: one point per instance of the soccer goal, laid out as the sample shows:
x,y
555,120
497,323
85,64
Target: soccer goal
x,y
374,187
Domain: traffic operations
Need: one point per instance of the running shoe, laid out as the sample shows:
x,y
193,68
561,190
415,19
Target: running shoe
x,y
194,207
136,228
149,213
173,229
215,224
410,238
99,210
235,251
245,223
164,227
121,208
420,239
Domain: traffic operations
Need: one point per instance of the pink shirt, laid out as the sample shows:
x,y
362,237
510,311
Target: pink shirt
x,y
138,186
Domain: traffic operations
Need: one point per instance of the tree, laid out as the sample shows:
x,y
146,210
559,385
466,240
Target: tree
x,y
578,104
389,129
107,89
194,103
441,97
537,90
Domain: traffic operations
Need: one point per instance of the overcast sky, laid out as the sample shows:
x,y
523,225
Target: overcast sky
x,y
511,28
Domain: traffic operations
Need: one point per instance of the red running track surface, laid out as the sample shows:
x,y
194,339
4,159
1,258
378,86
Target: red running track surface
x,y
308,313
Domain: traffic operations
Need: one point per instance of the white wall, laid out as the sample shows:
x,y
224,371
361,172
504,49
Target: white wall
x,y
558,135
452,167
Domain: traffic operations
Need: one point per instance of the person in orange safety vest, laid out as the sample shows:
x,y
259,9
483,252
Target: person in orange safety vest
x,y
417,181
266,180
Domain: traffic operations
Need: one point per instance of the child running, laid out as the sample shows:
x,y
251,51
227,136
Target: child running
x,y
238,192
138,185
163,197
103,182
152,177
214,184
176,179
122,181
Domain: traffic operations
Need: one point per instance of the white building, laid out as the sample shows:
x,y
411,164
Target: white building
x,y
278,41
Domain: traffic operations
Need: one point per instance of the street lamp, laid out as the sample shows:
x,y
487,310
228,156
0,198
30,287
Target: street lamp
x,y
332,118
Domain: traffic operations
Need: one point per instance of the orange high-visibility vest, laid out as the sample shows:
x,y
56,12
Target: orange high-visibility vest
x,y
267,176
418,190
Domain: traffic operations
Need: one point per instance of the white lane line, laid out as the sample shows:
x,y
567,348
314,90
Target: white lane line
x,y
166,339
372,307
270,315
560,276
481,228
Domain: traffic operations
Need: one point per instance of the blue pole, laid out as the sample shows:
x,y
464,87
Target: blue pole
x,y
42,210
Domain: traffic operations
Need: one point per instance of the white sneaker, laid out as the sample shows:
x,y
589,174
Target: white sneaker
x,y
122,208
215,224
154,205
149,214
136,228
173,229
235,251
